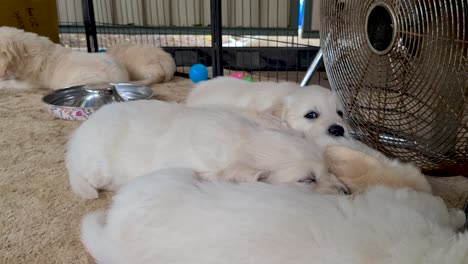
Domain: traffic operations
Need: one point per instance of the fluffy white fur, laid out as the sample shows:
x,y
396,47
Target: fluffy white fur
x,y
359,170
284,105
287,101
146,64
35,61
169,217
125,140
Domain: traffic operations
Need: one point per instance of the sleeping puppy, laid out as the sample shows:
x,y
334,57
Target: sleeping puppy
x,y
313,110
146,64
170,217
35,61
122,141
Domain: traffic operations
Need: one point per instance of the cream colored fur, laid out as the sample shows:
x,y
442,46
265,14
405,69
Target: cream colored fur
x,y
359,171
284,105
146,64
286,100
169,217
36,61
122,141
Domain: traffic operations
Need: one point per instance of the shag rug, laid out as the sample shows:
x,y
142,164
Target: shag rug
x,y
39,215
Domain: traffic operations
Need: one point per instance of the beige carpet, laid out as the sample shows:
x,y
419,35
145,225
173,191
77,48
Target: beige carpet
x,y
40,216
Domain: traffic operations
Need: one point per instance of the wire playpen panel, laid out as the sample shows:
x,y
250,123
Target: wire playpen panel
x,y
259,37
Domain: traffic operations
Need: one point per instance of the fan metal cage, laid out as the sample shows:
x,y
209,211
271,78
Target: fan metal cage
x,y
400,68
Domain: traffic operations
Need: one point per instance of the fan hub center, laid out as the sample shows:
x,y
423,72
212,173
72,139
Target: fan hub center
x,y
381,28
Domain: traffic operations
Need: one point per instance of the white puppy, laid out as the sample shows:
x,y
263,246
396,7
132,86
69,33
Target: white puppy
x,y
146,64
125,140
313,109
168,217
36,61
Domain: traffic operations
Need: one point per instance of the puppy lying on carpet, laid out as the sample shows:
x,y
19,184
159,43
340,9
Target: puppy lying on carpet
x,y
146,64
314,111
35,61
170,217
122,141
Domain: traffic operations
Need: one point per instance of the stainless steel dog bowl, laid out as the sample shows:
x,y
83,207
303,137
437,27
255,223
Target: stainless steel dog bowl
x,y
79,102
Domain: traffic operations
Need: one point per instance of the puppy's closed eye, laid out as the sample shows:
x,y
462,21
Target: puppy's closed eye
x,y
308,180
263,176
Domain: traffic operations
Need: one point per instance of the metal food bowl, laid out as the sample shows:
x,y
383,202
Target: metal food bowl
x,y
79,102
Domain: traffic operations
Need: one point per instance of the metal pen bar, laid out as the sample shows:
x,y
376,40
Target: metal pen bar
x,y
90,26
216,37
318,59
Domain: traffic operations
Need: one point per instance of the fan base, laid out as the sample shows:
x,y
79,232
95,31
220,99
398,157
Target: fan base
x,y
454,170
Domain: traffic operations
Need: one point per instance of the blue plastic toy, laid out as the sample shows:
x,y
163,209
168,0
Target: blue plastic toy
x,y
101,51
198,72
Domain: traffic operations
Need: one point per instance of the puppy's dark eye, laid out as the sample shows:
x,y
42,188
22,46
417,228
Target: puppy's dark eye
x,y
308,180
339,113
311,115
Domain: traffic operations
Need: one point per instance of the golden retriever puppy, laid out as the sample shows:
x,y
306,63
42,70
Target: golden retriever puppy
x,y
313,110
122,141
359,171
169,217
146,64
36,61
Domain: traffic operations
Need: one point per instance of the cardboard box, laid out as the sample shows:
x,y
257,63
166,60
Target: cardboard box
x,y
38,16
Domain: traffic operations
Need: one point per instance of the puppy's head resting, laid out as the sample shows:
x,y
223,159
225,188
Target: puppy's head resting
x,y
314,110
306,176
283,158
360,171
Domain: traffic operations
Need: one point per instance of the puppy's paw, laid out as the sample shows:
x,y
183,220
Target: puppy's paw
x,y
268,120
356,169
345,162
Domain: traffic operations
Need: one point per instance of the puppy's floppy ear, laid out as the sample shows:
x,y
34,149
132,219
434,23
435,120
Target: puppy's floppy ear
x,y
275,115
11,53
278,109
4,63
13,50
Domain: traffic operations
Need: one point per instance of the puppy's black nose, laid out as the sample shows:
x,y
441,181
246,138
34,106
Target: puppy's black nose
x,y
336,130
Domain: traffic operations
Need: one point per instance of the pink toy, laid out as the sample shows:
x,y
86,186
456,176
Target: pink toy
x,y
237,75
